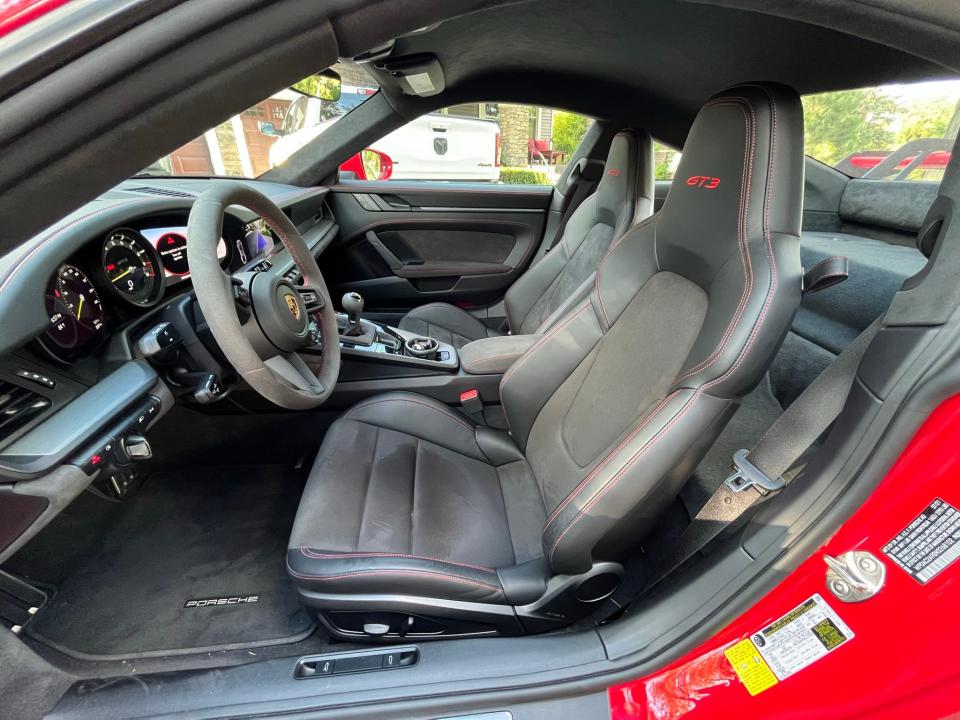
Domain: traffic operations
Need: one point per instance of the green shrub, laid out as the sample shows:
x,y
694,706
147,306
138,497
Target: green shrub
x,y
523,176
663,171
568,130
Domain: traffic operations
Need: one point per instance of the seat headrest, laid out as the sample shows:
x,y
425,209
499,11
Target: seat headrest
x,y
627,178
741,171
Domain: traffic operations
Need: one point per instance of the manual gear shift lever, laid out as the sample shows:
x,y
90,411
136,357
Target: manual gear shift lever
x,y
352,305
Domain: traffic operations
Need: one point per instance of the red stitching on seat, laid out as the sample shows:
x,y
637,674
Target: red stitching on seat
x,y
361,573
593,473
623,471
450,416
768,196
537,345
749,146
333,556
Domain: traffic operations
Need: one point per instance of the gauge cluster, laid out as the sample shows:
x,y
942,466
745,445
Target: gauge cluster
x,y
76,313
132,265
171,244
117,277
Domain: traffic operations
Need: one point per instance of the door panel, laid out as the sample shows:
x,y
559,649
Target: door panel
x,y
405,244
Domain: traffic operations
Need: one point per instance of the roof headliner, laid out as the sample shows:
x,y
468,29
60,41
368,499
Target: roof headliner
x,y
650,63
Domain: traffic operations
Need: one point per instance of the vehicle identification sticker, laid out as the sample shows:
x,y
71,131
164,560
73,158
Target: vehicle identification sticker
x,y
807,633
929,544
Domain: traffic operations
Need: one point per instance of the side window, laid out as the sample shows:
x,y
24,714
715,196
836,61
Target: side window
x,y
476,142
890,132
665,160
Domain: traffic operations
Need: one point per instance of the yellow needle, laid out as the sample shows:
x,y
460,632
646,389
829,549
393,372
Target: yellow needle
x,y
80,307
123,274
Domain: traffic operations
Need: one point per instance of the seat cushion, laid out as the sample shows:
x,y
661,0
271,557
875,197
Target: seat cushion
x,y
402,500
446,323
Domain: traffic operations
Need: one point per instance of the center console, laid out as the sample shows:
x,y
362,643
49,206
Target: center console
x,y
396,351
377,358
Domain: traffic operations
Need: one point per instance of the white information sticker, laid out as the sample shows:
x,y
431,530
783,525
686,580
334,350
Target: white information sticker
x,y
801,637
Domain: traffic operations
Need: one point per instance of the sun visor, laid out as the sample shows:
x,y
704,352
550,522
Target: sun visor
x,y
419,75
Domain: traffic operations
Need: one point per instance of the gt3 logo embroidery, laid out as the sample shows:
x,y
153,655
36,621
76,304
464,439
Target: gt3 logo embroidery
x,y
614,173
703,181
232,600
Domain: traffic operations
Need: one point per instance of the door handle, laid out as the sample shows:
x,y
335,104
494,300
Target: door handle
x,y
389,257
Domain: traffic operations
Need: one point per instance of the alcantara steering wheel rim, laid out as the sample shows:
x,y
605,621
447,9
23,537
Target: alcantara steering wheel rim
x,y
263,350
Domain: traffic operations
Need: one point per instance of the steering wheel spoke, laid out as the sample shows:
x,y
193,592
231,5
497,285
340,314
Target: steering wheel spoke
x,y
312,298
291,368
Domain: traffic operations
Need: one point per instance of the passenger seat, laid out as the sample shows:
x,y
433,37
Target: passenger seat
x,y
563,276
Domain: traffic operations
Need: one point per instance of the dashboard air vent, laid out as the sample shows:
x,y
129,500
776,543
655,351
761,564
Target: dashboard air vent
x,y
167,192
18,407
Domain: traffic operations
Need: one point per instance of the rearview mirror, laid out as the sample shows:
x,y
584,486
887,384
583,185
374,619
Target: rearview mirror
x,y
324,86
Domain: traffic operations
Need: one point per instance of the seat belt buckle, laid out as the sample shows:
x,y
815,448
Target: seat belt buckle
x,y
471,402
747,475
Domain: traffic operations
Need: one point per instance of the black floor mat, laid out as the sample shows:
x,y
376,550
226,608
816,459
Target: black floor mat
x,y
196,535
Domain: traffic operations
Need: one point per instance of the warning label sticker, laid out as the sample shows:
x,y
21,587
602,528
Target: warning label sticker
x,y
928,544
801,637
750,667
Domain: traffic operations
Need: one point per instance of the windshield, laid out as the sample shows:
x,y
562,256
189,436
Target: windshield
x,y
889,132
265,135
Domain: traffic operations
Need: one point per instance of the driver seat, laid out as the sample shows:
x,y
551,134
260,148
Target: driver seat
x,y
416,522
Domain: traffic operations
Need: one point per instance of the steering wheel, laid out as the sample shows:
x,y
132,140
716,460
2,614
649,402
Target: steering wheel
x,y
263,346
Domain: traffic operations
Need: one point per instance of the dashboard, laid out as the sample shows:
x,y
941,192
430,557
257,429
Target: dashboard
x,y
102,334
129,269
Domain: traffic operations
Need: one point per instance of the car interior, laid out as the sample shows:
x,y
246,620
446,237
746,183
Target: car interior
x,y
264,440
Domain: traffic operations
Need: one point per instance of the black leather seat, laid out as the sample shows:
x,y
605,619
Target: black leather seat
x,y
561,278
417,521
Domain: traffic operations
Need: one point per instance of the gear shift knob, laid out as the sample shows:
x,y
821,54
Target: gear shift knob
x,y
352,303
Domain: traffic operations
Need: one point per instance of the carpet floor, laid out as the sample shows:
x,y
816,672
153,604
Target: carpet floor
x,y
188,535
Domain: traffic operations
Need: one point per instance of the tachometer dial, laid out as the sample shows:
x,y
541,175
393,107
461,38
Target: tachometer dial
x,y
63,328
75,313
131,266
74,289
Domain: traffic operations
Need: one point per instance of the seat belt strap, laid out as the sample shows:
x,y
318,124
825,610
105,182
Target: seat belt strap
x,y
758,474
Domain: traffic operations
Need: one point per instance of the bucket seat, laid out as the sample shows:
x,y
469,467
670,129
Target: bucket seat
x,y
416,521
559,279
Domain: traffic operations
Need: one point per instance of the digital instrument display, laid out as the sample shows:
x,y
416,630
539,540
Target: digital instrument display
x,y
171,244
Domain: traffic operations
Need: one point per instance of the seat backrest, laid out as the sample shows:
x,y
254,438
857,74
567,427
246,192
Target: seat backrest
x,y
615,406
545,293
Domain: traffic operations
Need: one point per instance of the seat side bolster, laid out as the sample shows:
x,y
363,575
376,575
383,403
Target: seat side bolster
x,y
530,287
422,417
533,379
641,472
